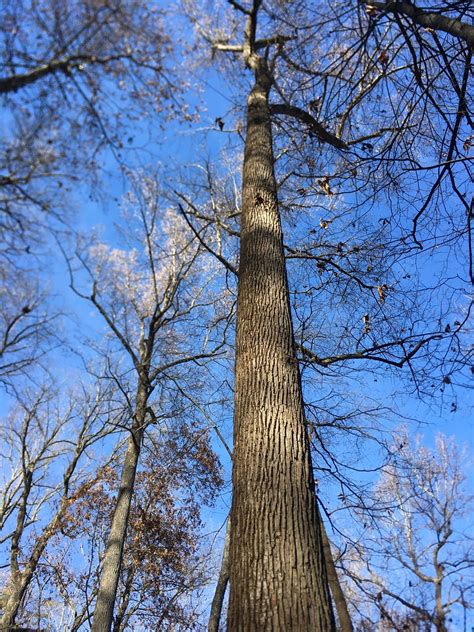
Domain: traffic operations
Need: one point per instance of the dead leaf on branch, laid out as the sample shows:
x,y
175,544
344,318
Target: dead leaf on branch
x,y
366,320
371,10
469,142
382,292
324,223
324,184
383,58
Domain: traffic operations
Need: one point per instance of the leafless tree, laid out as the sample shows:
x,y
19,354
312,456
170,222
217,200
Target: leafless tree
x,y
163,563
69,70
148,294
315,70
28,326
426,57
412,564
45,449
73,75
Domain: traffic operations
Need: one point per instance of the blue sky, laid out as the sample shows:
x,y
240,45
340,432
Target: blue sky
x,y
189,143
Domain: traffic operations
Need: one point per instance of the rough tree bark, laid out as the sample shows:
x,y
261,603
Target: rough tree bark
x,y
344,619
278,578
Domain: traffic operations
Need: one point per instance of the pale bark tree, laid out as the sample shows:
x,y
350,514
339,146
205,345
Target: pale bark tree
x,y
46,444
413,562
145,294
164,562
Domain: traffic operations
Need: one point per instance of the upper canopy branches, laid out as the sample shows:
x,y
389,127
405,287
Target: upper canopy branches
x,y
427,19
263,68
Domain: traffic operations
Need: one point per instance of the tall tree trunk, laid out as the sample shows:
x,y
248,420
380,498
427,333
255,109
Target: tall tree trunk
x,y
104,609
278,578
222,581
344,619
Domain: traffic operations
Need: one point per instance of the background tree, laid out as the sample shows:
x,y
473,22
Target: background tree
x,y
148,294
45,444
162,566
75,69
412,565
29,326
73,74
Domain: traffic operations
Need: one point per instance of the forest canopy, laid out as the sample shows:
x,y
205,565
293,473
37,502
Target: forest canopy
x,y
236,270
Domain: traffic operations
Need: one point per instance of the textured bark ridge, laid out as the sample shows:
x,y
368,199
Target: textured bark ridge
x,y
277,574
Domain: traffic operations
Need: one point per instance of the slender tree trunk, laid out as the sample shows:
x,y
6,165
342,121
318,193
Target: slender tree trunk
x,y
125,600
222,581
344,619
17,586
278,578
21,579
440,617
104,609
